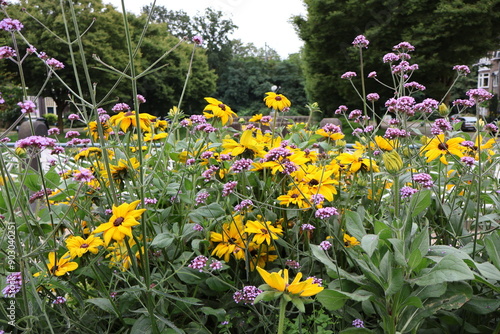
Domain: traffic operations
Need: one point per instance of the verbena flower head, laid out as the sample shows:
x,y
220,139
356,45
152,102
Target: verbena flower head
x,y
407,192
59,300
348,75
389,58
424,179
246,295
199,263
9,24
325,245
54,64
198,40
27,107
325,213
277,102
74,117
372,97
358,323
35,142
462,69
7,52
141,99
120,107
361,42
403,47
479,95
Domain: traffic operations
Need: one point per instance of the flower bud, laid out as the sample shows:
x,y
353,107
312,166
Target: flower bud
x,y
392,161
443,110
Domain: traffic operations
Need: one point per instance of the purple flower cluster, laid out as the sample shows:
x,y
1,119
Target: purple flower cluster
x,y
403,104
276,153
120,107
205,127
415,85
207,155
14,282
198,227
54,64
392,133
199,263
325,213
403,67
331,128
72,134
325,245
74,117
372,75
464,103
491,127
340,110
150,201
229,188
7,52
215,265
39,194
201,197
292,264
479,95
241,165
372,97
440,125
361,42
246,295
83,175
358,323
307,227
348,75
317,199
209,173
407,192
59,300
403,47
426,106
468,143
355,114
468,161
78,141
37,142
27,107
9,24
198,40
243,205
389,58
462,69
141,99
317,281
423,179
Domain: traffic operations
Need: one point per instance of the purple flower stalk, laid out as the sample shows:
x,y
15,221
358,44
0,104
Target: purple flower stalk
x,y
9,24
423,179
27,107
407,192
229,188
348,75
325,245
199,263
246,295
120,107
54,64
325,213
243,205
201,197
361,42
7,52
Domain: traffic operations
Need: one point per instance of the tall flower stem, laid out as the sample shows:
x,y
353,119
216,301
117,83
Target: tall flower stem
x,y
281,321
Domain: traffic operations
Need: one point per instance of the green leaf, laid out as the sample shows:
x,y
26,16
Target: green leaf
x,y
299,304
354,225
413,301
419,202
103,303
162,240
421,242
480,305
219,313
33,182
449,269
488,271
396,282
142,326
399,251
369,243
331,300
414,259
215,284
431,291
492,245
267,296
211,211
383,230
354,330
323,258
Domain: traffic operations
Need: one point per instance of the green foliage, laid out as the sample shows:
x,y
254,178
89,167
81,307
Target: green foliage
x,y
445,33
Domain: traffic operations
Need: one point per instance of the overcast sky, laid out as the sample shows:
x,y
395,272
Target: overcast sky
x,y
258,21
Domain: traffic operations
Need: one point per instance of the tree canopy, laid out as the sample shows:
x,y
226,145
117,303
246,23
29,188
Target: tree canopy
x,y
444,33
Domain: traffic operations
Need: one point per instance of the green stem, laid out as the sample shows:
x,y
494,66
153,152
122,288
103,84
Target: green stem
x,y
281,322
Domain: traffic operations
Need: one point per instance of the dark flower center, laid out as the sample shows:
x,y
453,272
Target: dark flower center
x,y
118,221
313,182
443,146
278,98
129,113
84,246
222,106
232,241
294,195
263,230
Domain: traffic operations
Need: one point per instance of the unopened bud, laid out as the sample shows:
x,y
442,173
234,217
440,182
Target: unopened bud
x,y
392,161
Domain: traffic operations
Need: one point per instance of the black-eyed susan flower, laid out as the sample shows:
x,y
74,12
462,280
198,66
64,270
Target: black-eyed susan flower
x,y
128,119
62,265
263,231
219,110
356,162
78,246
350,241
279,281
121,222
277,101
438,146
231,241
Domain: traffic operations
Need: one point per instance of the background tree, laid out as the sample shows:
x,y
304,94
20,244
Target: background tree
x,y
444,34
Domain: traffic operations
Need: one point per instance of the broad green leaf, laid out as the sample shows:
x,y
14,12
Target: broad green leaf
x,y
219,313
320,255
215,284
414,259
331,300
354,225
431,291
33,182
413,301
142,326
369,243
421,242
488,271
480,305
396,282
299,304
103,303
492,244
162,240
399,251
383,230
449,269
440,251
419,202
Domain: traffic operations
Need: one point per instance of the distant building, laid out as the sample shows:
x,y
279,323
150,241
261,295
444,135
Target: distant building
x,y
488,72
45,105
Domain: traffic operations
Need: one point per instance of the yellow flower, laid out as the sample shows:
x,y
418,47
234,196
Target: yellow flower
x,y
62,265
91,151
230,241
357,162
260,255
122,170
277,101
385,144
279,281
119,256
439,147
350,241
294,196
127,119
219,110
121,222
150,137
78,246
247,143
262,231
93,131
